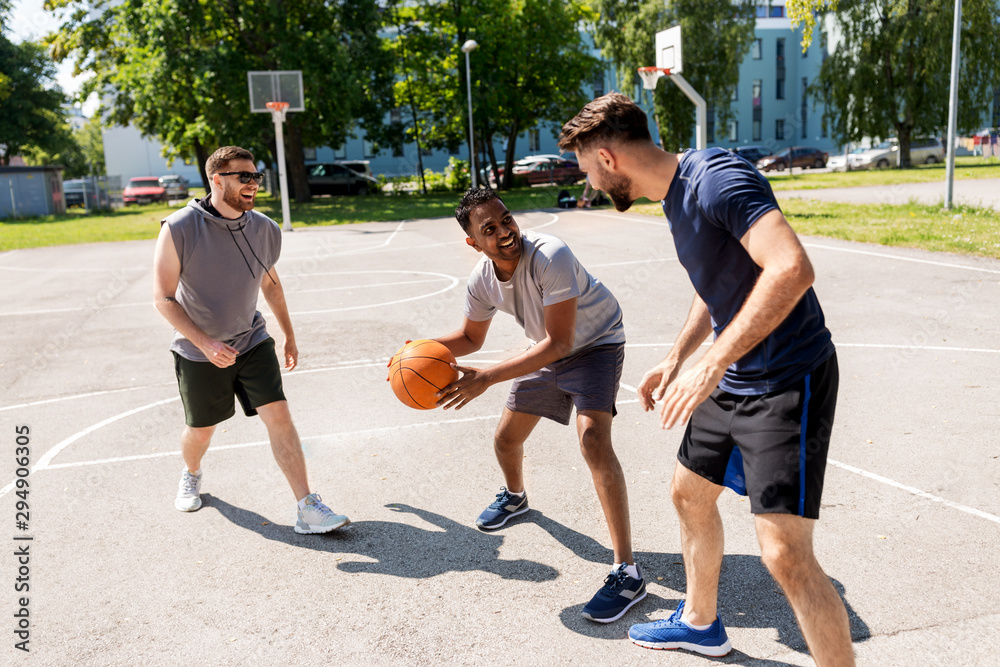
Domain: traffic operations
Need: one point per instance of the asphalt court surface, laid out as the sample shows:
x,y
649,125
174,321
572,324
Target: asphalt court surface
x,y
908,531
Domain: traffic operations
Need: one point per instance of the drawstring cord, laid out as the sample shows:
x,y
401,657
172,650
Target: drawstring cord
x,y
243,255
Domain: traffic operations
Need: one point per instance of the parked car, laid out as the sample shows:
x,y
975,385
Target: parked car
x,y
331,178
838,161
525,164
551,170
176,186
363,167
796,156
84,192
751,154
923,150
144,190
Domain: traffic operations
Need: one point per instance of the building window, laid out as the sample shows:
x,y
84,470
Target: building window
x,y
776,12
780,48
396,116
309,154
599,86
736,94
756,129
757,85
340,152
453,149
761,12
370,149
779,129
710,129
426,152
734,133
779,89
755,49
534,141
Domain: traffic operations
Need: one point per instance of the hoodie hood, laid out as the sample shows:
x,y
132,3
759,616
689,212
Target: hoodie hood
x,y
234,224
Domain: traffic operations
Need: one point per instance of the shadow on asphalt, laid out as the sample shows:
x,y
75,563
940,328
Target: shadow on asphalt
x,y
748,596
398,549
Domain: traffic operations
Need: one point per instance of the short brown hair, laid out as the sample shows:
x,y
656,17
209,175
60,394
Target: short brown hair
x,y
611,117
219,160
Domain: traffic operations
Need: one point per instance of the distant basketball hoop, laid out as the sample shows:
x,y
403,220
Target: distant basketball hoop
x,y
278,110
650,76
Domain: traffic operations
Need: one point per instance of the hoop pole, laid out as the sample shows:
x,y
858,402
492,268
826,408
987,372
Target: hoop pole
x,y
701,110
279,135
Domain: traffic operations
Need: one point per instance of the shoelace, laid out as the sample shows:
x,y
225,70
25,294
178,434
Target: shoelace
x,y
190,484
502,498
616,579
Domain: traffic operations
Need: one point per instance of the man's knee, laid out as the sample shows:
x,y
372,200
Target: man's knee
x,y
787,561
276,414
199,435
691,492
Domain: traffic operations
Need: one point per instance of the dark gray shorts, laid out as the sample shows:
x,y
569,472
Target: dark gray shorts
x,y
588,380
207,391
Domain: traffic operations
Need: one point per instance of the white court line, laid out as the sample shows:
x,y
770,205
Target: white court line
x,y
900,258
630,218
87,395
43,462
636,261
885,480
917,492
919,347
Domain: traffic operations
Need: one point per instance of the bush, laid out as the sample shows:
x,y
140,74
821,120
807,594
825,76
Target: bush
x,y
457,175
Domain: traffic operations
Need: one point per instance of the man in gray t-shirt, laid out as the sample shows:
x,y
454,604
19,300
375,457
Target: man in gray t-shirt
x,y
212,259
575,324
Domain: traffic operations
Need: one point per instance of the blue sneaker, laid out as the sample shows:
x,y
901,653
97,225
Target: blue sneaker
x,y
619,593
674,633
502,509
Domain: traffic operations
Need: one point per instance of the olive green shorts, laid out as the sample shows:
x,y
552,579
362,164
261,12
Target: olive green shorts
x,y
207,390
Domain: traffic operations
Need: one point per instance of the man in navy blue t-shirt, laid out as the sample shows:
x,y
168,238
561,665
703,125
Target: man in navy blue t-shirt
x,y
759,405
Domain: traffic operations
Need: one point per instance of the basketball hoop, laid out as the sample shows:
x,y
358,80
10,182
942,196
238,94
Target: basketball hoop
x,y
651,75
278,110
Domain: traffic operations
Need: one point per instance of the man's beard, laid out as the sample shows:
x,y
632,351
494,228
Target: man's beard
x,y
619,188
232,198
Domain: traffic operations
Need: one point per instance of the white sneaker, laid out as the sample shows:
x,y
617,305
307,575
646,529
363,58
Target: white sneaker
x,y
317,517
188,492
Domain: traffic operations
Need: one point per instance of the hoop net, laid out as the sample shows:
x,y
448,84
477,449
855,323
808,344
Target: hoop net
x,y
651,75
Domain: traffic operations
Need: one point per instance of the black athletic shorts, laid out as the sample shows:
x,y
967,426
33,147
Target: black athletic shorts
x,y
772,447
207,390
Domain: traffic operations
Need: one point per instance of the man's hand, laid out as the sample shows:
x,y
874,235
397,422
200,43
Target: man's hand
x,y
655,382
472,383
690,390
220,354
291,352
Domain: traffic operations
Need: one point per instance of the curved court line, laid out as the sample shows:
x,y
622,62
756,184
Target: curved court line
x,y
453,279
87,395
47,457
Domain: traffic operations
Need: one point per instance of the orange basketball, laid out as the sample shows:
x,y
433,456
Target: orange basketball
x,y
420,369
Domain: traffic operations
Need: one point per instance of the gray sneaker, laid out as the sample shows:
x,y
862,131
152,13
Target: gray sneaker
x,y
318,518
188,492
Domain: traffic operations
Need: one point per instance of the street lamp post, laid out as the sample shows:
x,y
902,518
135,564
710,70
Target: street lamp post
x,y
466,49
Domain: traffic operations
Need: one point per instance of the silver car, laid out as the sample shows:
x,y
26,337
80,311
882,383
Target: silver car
x,y
176,186
923,150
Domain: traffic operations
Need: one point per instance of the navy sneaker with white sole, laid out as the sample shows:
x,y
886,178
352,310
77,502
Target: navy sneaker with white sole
x,y
619,594
505,507
674,633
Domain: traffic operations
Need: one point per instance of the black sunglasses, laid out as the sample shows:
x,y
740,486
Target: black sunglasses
x,y
246,176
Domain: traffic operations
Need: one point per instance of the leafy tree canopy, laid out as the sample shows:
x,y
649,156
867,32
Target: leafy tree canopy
x,y
31,113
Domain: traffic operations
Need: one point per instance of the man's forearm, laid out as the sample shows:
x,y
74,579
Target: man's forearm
x,y
696,329
179,319
275,298
534,358
769,303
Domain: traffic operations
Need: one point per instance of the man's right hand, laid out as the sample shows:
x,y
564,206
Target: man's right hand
x,y
655,382
220,354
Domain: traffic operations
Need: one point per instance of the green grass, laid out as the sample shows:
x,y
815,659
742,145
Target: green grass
x,y
964,230
965,168
143,222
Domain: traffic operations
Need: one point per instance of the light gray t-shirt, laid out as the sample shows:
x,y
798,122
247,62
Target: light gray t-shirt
x,y
547,273
222,265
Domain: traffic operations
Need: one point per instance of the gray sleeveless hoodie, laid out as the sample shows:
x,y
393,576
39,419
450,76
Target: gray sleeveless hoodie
x,y
222,265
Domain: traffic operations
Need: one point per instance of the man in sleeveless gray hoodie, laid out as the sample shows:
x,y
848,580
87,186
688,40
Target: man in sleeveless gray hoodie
x,y
212,257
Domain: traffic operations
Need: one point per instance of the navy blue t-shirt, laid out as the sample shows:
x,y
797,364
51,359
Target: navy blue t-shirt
x,y
713,200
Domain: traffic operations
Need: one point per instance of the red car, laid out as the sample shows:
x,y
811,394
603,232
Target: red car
x,y
144,190
551,170
802,157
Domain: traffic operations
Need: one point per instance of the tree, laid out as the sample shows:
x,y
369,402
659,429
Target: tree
x,y
532,65
177,70
31,112
891,70
803,12
716,37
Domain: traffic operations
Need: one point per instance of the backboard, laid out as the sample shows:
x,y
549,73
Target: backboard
x,y
668,50
277,86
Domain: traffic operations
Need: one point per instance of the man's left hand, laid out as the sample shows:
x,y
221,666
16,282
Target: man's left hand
x,y
472,383
291,352
687,393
